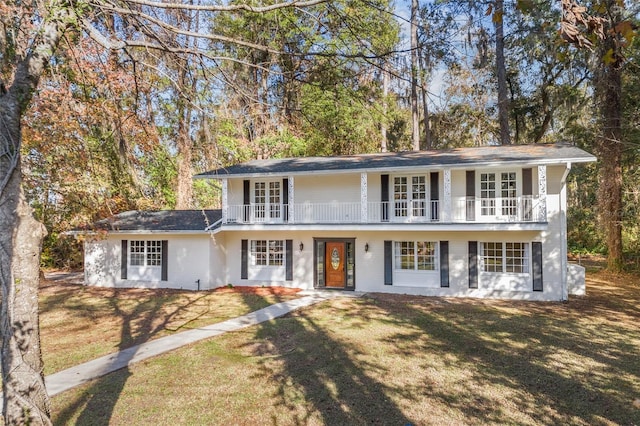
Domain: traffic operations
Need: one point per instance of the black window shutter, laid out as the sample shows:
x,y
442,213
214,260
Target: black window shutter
x,y
433,190
444,263
527,182
473,264
285,199
471,194
123,260
289,259
433,194
165,260
536,254
388,263
244,259
246,199
384,197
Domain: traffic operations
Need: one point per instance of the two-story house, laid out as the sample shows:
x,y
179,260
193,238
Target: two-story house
x,y
478,222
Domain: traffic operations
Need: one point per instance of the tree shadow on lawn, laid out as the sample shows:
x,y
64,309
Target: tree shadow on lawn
x,y
140,325
320,377
554,364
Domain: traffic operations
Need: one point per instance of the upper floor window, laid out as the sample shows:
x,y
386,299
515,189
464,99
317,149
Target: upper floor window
x,y
504,257
267,200
409,196
498,185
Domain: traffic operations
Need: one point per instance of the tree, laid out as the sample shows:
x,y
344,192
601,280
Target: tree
x,y
615,31
31,34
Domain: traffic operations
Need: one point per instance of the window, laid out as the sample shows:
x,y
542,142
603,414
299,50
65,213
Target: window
x,y
505,257
508,194
267,200
488,194
145,253
507,184
410,195
416,255
267,252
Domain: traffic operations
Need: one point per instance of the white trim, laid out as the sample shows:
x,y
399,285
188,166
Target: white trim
x,y
225,200
542,192
446,202
364,204
292,202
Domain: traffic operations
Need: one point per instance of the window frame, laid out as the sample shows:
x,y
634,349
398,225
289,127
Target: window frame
x,y
434,256
489,259
270,194
500,205
270,257
151,254
412,206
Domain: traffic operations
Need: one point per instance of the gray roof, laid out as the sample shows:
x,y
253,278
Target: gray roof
x,y
477,156
159,221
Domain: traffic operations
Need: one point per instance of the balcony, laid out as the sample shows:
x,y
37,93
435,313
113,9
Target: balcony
x,y
526,209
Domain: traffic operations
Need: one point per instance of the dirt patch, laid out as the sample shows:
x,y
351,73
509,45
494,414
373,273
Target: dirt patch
x,y
260,291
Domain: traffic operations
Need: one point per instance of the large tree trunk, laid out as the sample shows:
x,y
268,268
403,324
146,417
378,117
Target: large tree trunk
x,y
501,72
25,396
415,116
609,149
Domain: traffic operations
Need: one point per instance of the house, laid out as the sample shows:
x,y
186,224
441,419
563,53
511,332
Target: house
x,y
477,222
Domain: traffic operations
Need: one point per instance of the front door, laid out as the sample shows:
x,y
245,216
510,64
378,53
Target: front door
x,y
334,263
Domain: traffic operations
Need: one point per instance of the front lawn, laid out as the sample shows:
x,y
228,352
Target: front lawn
x,y
393,360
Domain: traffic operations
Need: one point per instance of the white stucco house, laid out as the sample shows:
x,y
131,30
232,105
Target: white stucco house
x,y
474,222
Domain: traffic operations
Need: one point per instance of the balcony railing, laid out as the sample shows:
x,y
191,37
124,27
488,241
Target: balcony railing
x,y
463,210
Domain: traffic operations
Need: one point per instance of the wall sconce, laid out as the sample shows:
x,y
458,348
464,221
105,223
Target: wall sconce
x,y
366,247
301,246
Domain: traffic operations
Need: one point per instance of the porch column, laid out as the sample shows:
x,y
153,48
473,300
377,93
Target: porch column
x,y
225,201
364,205
292,201
446,196
542,193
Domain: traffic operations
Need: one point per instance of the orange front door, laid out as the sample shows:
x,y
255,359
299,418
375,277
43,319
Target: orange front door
x,y
334,264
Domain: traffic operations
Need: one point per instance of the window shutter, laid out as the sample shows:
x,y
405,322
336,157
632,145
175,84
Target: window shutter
x,y
473,264
388,263
444,263
527,182
471,195
285,199
165,260
244,259
434,194
384,197
246,199
536,255
123,260
289,259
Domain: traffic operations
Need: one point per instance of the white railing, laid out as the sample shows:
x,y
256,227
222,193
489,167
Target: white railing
x,y
507,209
327,213
463,210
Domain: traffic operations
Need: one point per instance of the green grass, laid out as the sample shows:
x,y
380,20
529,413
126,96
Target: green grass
x,y
394,360
81,323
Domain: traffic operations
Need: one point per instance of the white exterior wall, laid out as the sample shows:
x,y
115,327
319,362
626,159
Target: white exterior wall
x,y
370,265
189,259
340,188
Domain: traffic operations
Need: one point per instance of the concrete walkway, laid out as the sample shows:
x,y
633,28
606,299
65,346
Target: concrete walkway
x,y
75,376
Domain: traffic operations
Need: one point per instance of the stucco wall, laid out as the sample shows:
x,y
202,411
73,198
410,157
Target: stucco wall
x,y
189,259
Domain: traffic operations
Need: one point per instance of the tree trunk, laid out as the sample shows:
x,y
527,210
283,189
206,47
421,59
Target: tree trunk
x,y
503,99
415,117
385,108
24,393
609,150
25,397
